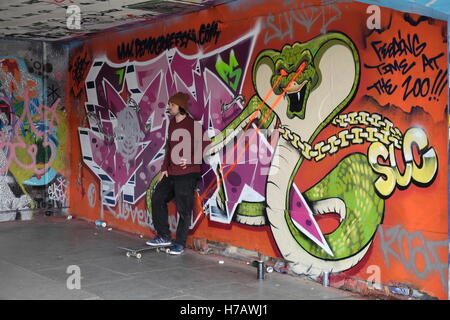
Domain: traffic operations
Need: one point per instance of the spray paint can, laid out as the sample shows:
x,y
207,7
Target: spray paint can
x,y
100,223
260,275
325,280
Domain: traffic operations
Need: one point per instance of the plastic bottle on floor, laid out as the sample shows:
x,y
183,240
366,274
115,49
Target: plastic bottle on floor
x,y
100,223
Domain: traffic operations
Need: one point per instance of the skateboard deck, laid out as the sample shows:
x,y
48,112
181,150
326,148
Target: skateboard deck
x,y
136,252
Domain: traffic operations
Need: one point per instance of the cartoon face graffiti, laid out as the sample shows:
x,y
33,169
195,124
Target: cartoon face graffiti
x,y
127,136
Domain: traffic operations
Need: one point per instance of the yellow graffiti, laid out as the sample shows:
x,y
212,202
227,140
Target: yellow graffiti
x,y
375,128
421,174
385,138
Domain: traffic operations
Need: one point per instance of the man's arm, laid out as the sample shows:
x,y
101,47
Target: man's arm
x,y
166,161
165,164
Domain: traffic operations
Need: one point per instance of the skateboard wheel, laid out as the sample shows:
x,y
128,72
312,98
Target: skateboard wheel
x,y
139,256
128,254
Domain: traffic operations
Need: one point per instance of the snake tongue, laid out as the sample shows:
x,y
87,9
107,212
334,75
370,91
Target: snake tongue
x,y
302,217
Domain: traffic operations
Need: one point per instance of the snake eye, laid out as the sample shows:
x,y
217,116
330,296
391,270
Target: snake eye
x,y
283,72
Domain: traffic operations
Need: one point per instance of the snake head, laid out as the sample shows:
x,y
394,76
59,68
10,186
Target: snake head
x,y
308,82
293,76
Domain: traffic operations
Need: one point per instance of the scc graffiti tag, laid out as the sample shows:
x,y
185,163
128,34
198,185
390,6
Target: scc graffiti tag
x,y
421,175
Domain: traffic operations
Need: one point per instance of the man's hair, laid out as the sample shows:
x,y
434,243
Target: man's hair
x,y
182,111
181,99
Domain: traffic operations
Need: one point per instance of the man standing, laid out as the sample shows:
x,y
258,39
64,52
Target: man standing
x,y
179,174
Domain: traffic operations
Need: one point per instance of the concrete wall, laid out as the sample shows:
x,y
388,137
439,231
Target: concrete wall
x,y
345,166
33,138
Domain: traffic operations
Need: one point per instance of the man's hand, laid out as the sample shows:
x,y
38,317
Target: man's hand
x,y
183,163
163,174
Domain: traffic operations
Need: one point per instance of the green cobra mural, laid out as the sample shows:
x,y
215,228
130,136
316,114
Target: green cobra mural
x,y
299,91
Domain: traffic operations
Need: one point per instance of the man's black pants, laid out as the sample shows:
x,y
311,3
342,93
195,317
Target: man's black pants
x,y
182,188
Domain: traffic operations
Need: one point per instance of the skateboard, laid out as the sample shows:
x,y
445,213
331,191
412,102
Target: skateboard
x,y
136,252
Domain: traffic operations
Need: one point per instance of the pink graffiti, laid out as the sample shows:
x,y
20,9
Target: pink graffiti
x,y
142,89
12,140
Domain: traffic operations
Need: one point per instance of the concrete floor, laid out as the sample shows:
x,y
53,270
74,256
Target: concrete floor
x,y
35,256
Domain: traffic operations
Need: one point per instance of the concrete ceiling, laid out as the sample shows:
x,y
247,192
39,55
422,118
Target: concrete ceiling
x,y
439,9
47,20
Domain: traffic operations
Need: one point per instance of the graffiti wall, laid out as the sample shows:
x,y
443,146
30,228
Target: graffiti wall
x,y
328,128
33,129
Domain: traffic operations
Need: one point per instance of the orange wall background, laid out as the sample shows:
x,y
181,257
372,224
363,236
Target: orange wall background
x,y
410,245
